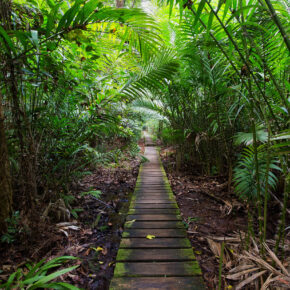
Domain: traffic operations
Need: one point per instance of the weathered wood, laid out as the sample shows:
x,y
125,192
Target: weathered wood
x,y
153,198
159,233
169,243
153,217
154,211
154,201
154,225
154,283
154,245
154,205
154,255
157,269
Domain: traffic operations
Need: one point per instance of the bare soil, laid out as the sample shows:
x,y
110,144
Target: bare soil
x,y
203,215
95,240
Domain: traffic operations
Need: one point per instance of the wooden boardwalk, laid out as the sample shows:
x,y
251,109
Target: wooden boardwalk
x,y
154,251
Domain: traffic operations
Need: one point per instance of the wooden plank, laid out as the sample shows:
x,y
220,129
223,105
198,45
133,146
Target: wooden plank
x,y
154,255
154,197
153,217
153,191
154,211
153,205
153,283
169,243
157,269
154,201
158,233
154,225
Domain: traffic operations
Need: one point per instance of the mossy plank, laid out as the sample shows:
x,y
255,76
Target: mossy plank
x,y
153,283
153,205
154,225
153,217
158,233
158,201
154,211
154,255
160,198
157,269
169,243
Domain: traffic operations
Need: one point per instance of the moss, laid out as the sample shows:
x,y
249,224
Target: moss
x,y
119,270
125,235
123,254
192,268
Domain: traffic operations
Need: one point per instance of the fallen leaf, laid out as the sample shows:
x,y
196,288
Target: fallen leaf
x,y
87,251
98,249
128,223
150,237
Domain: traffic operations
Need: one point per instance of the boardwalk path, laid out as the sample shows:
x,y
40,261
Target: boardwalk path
x,y
163,262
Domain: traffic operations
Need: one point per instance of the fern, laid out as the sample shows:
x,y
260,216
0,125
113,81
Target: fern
x,y
245,173
247,138
94,193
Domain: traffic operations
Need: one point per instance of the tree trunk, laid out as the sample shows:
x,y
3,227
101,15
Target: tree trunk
x,y
22,127
5,180
120,3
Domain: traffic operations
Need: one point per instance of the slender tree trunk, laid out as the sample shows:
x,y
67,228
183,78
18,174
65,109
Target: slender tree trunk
x,y
5,180
120,3
22,127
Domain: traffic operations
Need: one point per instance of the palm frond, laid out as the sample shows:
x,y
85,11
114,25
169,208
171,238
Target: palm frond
x,y
154,75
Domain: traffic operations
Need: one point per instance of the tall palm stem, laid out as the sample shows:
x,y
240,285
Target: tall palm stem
x,y
278,23
245,62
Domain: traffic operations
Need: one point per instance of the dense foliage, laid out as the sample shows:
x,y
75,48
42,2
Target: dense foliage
x,y
80,78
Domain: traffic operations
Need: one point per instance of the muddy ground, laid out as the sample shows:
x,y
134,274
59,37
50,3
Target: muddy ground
x,y
93,236
207,208
212,213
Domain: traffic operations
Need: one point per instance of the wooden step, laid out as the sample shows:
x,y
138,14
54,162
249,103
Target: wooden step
x,y
168,283
153,217
154,255
157,269
156,201
158,233
170,243
154,225
153,205
154,211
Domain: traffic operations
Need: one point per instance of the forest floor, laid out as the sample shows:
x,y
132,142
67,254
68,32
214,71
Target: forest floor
x,y
209,213
93,237
205,217
213,214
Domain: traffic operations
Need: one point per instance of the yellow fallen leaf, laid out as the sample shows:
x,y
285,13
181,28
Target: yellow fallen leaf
x,y
198,252
100,262
98,249
150,237
130,222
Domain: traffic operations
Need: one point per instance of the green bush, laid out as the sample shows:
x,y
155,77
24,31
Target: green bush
x,y
39,276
